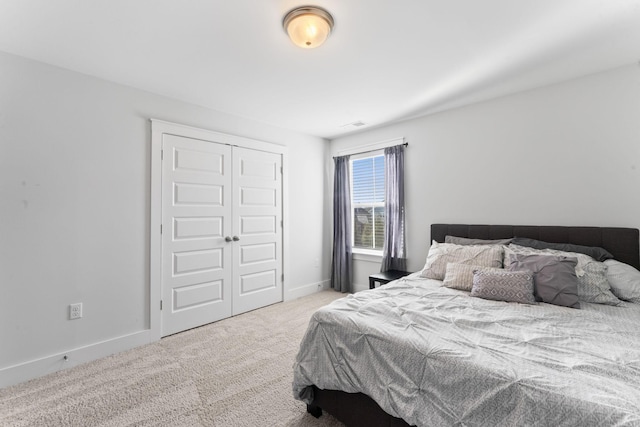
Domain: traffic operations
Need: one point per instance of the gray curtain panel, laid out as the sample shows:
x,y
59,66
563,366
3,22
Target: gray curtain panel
x,y
341,264
393,256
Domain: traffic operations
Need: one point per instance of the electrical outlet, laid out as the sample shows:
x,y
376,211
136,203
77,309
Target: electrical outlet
x,y
75,311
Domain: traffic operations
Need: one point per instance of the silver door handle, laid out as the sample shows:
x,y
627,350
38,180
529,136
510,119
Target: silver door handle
x,y
236,238
228,239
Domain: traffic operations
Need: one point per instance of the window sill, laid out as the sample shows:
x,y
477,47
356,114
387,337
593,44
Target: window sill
x,y
367,255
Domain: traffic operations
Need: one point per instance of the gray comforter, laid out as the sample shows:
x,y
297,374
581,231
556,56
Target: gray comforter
x,y
436,356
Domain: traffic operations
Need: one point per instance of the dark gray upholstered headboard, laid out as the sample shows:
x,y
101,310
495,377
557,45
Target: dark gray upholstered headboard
x,y
623,243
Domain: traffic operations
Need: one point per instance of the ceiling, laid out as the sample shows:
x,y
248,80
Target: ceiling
x,y
385,60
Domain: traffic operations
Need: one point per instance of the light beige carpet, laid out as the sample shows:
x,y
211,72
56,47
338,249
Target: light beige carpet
x,y
235,372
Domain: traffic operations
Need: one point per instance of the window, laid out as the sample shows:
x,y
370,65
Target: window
x,y
367,201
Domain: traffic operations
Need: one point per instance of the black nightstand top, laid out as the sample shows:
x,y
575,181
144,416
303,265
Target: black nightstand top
x,y
386,277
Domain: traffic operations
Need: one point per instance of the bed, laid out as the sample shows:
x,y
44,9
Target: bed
x,y
415,352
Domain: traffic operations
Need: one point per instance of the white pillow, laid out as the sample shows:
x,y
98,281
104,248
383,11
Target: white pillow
x,y
624,280
441,254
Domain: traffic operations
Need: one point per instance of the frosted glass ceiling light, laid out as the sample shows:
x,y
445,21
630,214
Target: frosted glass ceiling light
x,y
308,26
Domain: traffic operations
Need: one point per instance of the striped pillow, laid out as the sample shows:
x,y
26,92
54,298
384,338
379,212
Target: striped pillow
x,y
460,276
441,254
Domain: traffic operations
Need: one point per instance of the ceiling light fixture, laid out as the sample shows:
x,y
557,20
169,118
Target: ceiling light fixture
x,y
308,26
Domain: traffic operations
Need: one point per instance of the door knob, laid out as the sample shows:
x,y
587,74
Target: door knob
x,y
228,239
236,238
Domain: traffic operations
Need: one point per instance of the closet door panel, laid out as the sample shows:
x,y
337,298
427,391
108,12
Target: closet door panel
x,y
257,191
196,218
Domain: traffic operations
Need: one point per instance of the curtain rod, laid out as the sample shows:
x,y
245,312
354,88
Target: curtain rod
x,y
406,144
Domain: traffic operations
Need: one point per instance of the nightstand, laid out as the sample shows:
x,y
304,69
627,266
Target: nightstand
x,y
386,277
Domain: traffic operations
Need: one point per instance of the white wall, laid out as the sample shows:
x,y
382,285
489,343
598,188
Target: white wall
x,y
75,210
567,154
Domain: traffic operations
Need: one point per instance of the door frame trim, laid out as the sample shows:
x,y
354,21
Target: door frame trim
x,y
160,128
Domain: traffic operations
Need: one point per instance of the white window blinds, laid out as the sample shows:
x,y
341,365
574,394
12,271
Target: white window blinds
x,y
367,192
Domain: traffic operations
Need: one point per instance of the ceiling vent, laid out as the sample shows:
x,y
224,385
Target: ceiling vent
x,y
353,125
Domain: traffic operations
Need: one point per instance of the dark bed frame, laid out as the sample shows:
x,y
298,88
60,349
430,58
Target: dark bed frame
x,y
358,409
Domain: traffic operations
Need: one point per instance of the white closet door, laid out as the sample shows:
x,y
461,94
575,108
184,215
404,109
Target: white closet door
x,y
196,213
257,193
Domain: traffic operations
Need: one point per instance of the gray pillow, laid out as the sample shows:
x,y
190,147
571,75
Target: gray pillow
x,y
593,285
466,241
599,254
554,277
500,285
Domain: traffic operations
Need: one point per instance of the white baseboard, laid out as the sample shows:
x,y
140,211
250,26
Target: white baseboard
x,y
305,290
76,356
36,368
